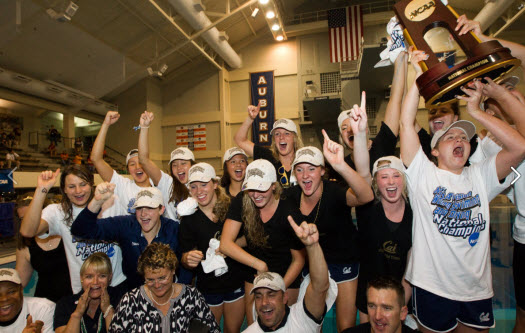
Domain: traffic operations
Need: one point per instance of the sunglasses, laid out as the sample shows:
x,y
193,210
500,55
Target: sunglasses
x,y
283,176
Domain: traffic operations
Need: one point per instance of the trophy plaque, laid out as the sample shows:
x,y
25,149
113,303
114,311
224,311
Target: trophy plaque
x,y
453,60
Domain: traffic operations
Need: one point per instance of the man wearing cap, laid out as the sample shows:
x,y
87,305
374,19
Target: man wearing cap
x,y
132,232
19,313
285,142
317,295
450,262
125,189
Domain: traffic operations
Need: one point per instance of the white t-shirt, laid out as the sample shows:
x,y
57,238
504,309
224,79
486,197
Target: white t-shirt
x,y
40,309
450,248
298,320
78,251
516,193
164,185
125,191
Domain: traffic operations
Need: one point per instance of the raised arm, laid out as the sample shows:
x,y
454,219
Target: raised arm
x,y
151,168
512,104
393,109
465,26
241,137
23,265
315,296
359,125
513,144
359,192
408,131
32,224
97,153
230,231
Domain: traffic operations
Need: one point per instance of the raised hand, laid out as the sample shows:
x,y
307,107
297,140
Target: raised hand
x,y
332,151
83,302
492,89
104,300
415,57
465,25
104,191
306,232
253,111
146,118
31,327
47,179
358,117
193,258
474,95
111,117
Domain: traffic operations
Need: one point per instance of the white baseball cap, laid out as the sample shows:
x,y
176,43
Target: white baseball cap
x,y
260,175
342,117
201,172
230,153
182,153
465,125
10,275
287,124
148,197
310,155
268,280
390,162
132,153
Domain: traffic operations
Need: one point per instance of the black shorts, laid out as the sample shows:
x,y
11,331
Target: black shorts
x,y
518,272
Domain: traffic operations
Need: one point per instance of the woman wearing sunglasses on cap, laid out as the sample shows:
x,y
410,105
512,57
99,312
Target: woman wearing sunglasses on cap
x,y
327,205
385,224
262,215
285,142
172,186
218,279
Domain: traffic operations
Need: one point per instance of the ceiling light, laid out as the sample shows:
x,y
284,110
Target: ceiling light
x,y
276,27
270,14
263,2
255,12
279,38
163,69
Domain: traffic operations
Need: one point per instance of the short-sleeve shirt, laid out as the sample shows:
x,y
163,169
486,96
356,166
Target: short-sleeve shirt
x,y
337,233
165,186
281,237
283,176
39,308
451,251
125,190
78,250
196,230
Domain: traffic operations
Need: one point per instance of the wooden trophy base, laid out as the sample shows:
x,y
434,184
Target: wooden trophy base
x,y
440,84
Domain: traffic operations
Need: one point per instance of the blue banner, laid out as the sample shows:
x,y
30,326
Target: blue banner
x,y
6,184
262,90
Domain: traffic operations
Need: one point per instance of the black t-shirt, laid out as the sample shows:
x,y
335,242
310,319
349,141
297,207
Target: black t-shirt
x,y
384,144
425,140
67,305
383,250
281,236
337,233
195,233
366,328
283,176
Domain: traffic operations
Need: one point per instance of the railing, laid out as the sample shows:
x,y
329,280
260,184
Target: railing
x,y
40,141
321,15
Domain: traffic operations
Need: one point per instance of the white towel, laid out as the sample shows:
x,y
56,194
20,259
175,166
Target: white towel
x,y
187,207
214,262
395,44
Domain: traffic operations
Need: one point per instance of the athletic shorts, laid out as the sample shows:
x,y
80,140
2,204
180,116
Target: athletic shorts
x,y
219,299
518,272
441,314
340,272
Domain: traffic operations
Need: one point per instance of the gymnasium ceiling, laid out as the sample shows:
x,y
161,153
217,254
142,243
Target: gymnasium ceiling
x,y
108,45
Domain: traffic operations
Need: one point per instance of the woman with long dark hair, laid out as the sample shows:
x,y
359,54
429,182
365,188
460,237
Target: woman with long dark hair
x,y
76,188
234,164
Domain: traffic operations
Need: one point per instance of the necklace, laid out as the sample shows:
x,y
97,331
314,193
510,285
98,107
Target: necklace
x,y
159,304
318,204
83,328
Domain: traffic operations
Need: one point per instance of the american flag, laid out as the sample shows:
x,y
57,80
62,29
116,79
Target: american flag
x,y
345,27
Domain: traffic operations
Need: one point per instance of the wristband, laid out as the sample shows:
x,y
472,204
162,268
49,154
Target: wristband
x,y
107,311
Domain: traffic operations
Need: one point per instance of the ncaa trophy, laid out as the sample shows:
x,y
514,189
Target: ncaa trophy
x,y
453,60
